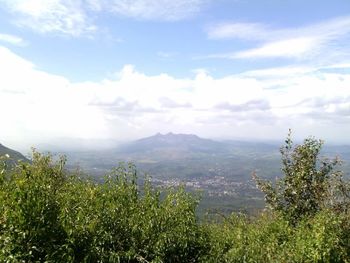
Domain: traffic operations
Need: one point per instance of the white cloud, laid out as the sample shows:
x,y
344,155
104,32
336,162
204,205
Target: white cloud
x,y
247,31
37,106
290,48
280,72
56,16
34,103
76,17
302,47
168,10
331,28
285,42
15,40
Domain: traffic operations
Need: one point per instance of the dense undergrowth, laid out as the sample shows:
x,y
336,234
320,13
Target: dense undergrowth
x,y
50,215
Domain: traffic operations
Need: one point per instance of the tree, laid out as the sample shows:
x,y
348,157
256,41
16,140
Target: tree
x,y
309,184
30,213
48,214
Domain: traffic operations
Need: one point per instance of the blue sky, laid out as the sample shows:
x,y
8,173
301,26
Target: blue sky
x,y
120,69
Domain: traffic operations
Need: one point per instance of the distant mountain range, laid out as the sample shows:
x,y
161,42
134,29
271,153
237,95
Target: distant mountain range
x,y
186,156
172,146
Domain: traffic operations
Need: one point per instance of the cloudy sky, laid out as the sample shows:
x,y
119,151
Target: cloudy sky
x,y
125,69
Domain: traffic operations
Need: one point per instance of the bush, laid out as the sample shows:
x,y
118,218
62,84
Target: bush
x,y
48,215
309,184
271,238
30,229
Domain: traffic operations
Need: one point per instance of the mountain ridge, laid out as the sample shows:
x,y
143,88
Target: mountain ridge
x,y
185,143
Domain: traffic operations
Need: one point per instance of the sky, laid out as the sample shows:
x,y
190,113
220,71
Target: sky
x,y
125,69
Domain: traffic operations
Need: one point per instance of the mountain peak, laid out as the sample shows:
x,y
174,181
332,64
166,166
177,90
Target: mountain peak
x,y
174,144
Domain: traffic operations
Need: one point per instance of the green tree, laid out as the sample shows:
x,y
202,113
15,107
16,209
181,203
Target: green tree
x,y
309,184
30,228
50,215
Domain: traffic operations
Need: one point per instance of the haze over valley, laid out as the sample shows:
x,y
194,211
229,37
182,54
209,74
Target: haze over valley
x,y
220,170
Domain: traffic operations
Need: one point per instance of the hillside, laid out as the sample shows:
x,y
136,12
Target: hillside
x,y
14,155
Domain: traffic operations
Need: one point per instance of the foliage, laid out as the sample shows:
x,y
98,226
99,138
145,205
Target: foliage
x,y
30,227
271,238
309,183
50,215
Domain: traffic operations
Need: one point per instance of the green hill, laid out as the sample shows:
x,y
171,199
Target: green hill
x,y
14,155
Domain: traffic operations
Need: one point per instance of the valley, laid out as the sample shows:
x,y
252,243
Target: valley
x,y
220,171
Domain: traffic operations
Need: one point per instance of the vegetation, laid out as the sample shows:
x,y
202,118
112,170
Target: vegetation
x,y
50,215
309,184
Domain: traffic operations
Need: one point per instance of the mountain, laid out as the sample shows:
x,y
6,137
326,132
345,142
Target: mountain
x,y
185,156
170,146
14,155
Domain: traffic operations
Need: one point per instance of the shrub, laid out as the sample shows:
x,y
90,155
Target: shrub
x,y
271,238
30,229
309,183
51,216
